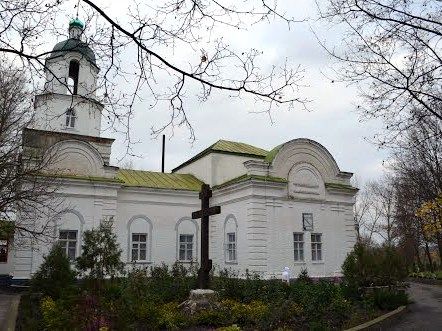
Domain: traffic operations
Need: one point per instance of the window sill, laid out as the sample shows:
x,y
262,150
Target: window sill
x,y
231,262
139,262
299,262
317,262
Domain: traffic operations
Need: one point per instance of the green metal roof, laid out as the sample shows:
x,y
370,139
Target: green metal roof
x,y
246,177
228,147
272,154
76,22
141,178
341,187
73,45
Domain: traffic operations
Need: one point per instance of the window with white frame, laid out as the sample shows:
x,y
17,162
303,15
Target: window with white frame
x,y
139,246
316,240
70,118
298,247
68,242
231,247
186,247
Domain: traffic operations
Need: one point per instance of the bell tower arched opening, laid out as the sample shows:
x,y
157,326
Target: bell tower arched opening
x,y
74,68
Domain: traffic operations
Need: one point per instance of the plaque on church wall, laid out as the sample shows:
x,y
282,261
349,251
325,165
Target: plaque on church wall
x,y
307,221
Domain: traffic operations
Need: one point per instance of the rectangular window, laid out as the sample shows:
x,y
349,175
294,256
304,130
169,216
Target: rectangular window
x,y
186,247
298,246
231,247
316,247
139,246
3,250
307,221
68,242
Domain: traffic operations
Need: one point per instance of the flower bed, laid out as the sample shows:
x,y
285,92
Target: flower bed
x,y
149,300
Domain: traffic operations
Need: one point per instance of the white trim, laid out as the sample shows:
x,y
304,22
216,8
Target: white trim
x,y
225,243
177,240
149,239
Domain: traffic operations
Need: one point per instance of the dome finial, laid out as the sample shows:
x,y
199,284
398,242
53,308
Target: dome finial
x,y
76,22
75,28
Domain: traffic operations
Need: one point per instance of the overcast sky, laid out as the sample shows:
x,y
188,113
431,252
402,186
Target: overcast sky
x,y
331,121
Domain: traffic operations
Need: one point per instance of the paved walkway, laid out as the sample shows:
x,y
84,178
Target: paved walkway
x,y
425,313
8,310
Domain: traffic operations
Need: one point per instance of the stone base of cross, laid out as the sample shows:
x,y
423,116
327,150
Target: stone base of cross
x,y
204,214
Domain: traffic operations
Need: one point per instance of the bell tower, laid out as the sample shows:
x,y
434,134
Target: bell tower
x,y
68,103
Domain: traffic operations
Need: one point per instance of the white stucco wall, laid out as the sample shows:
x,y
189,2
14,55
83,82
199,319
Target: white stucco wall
x,y
57,74
265,214
217,168
50,114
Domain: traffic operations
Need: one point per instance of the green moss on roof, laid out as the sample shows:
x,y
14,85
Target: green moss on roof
x,y
238,148
271,155
343,187
82,177
228,147
246,177
140,178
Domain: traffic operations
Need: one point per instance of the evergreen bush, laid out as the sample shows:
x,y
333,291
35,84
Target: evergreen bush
x,y
54,275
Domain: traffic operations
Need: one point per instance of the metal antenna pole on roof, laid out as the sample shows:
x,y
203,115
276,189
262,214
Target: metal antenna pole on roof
x,y
162,158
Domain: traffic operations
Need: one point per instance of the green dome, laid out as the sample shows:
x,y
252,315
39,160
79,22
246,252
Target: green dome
x,y
73,45
76,22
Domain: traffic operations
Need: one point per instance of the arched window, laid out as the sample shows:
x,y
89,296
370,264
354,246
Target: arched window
x,y
70,118
187,240
70,228
140,239
74,68
230,239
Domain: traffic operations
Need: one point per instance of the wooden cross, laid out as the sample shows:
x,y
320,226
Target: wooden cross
x,y
204,213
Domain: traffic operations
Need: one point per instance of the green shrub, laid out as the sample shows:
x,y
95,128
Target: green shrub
x,y
304,277
29,313
55,315
54,275
372,266
101,253
389,299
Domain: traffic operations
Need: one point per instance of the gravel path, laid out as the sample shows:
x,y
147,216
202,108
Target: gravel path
x,y
425,313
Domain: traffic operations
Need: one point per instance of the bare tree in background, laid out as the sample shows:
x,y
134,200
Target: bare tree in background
x,y
392,50
383,206
418,168
375,211
154,31
25,194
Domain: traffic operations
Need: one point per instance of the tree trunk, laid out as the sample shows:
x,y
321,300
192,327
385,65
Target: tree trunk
x,y
439,245
427,252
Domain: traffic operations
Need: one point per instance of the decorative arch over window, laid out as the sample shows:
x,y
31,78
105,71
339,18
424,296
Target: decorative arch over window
x,y
139,241
186,240
70,118
230,239
69,230
74,69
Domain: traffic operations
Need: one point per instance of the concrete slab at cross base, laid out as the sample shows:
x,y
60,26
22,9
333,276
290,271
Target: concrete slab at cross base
x,y
199,300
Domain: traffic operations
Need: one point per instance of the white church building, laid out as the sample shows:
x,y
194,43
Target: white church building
x,y
288,207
